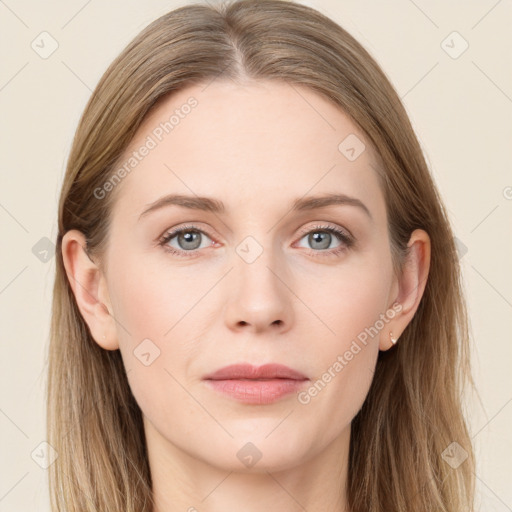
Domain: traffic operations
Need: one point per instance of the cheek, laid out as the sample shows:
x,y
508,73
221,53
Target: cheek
x,y
154,317
158,311
348,299
351,305
149,300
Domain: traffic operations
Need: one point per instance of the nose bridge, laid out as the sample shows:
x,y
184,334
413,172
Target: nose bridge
x,y
257,265
258,295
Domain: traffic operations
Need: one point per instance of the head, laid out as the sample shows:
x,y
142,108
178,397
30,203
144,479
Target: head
x,y
260,118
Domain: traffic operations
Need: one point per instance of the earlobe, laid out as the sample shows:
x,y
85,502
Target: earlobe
x,y
88,285
411,285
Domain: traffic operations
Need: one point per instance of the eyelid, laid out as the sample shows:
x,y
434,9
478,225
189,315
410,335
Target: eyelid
x,y
326,225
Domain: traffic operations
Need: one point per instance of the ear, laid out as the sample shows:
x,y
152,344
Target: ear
x,y
410,286
89,288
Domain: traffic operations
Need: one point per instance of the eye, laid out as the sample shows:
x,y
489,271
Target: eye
x,y
320,239
188,239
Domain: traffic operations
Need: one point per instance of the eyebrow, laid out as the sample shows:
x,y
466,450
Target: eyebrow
x,y
215,206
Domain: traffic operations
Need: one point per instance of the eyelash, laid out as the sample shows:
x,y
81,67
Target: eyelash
x,y
346,239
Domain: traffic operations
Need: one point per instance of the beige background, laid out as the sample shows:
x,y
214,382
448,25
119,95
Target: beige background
x,y
460,108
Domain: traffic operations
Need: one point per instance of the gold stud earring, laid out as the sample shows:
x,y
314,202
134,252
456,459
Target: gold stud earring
x,y
393,340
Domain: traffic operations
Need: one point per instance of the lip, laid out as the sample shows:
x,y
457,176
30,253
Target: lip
x,y
248,371
257,385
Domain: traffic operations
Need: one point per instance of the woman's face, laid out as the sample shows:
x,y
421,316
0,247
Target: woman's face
x,y
257,281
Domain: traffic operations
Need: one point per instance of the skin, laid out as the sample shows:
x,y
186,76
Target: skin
x,y
255,147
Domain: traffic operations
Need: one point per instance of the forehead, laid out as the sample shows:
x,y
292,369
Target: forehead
x,y
247,143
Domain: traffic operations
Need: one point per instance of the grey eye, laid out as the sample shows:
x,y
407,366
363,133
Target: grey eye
x,y
188,240
320,240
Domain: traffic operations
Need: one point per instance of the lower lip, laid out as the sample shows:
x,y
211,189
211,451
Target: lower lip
x,y
257,392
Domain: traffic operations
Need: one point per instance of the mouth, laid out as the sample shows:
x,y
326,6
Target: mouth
x,y
256,385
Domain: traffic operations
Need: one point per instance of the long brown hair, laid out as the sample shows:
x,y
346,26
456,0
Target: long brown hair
x,y
413,413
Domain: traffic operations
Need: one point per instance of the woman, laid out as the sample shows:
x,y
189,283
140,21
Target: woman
x,y
257,299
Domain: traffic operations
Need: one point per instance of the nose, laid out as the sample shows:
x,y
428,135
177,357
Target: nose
x,y
258,296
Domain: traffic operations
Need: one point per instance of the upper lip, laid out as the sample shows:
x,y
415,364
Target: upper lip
x,y
250,372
